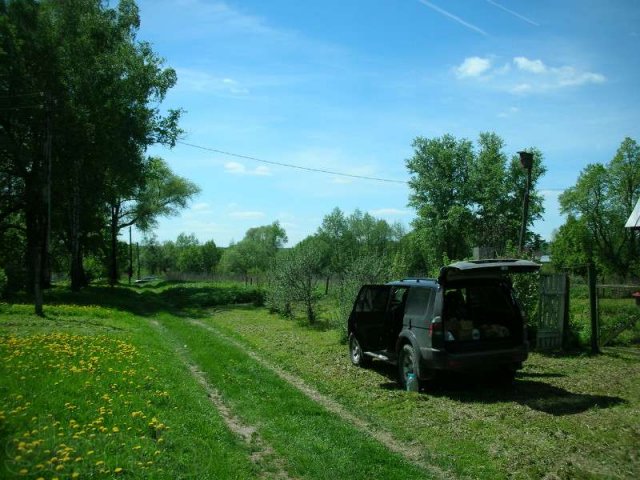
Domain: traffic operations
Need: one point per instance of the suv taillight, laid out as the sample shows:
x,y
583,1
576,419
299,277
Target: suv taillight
x,y
435,327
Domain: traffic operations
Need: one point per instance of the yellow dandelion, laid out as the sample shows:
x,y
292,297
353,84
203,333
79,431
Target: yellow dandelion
x,y
117,469
115,429
24,471
75,475
99,462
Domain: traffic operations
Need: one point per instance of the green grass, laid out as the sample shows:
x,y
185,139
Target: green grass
x,y
565,417
315,443
102,390
94,392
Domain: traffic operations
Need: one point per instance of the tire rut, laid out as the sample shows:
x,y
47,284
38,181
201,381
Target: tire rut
x,y
262,453
410,452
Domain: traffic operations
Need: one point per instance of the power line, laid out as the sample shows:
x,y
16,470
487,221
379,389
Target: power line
x,y
289,165
319,170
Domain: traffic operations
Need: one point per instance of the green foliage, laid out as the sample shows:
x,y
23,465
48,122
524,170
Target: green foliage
x,y
77,73
364,270
466,199
255,253
597,208
350,238
206,295
295,278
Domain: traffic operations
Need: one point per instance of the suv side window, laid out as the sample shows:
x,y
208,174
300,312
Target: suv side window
x,y
373,299
420,303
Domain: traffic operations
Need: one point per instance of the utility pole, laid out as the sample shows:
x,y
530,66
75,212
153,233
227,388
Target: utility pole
x,y
138,255
526,159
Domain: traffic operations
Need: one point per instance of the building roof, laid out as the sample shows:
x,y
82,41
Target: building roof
x,y
634,219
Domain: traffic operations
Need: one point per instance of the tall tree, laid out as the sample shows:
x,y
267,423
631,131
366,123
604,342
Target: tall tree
x,y
602,200
86,95
441,194
464,198
158,192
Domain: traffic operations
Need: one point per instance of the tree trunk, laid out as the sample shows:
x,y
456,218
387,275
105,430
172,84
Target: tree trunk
x,y
78,279
33,220
113,260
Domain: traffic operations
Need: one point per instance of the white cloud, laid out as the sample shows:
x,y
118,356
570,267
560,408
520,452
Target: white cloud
x,y
569,77
247,214
532,66
473,67
525,76
237,168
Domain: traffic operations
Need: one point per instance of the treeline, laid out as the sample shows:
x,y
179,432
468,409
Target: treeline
x,y
79,106
597,208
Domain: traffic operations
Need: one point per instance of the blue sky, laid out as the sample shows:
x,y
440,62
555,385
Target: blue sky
x,y
347,85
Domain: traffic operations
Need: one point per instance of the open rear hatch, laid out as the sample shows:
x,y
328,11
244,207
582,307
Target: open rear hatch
x,y
480,311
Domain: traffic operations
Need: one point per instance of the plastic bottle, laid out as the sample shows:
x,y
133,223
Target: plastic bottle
x,y
412,382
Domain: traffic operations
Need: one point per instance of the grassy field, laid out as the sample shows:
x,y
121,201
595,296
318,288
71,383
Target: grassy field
x,y
164,381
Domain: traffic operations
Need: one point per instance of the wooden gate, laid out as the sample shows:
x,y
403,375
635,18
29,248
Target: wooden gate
x,y
553,311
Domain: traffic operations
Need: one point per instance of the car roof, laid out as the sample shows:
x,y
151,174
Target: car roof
x,y
415,282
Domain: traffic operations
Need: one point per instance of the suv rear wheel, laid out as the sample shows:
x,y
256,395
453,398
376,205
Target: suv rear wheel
x,y
407,363
356,354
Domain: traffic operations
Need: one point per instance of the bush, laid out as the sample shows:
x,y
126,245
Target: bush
x,y
362,271
203,295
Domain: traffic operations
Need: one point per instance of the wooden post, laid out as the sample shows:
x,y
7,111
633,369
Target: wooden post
x,y
593,304
566,336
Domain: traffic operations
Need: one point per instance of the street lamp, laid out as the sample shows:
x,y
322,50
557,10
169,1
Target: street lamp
x,y
526,159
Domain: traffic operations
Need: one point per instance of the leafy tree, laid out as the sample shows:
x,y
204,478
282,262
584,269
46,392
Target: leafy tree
x,y
295,278
159,193
189,254
84,97
152,254
351,237
489,191
600,203
464,198
210,256
255,253
441,194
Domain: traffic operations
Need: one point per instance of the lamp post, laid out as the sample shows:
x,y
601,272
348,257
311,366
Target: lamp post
x,y
526,159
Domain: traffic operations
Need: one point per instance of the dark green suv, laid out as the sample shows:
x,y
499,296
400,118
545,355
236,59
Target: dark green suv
x,y
466,320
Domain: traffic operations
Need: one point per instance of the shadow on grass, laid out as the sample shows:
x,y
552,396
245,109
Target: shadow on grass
x,y
175,299
534,394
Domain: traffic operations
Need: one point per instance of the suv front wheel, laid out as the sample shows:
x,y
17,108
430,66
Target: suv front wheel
x,y
358,358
